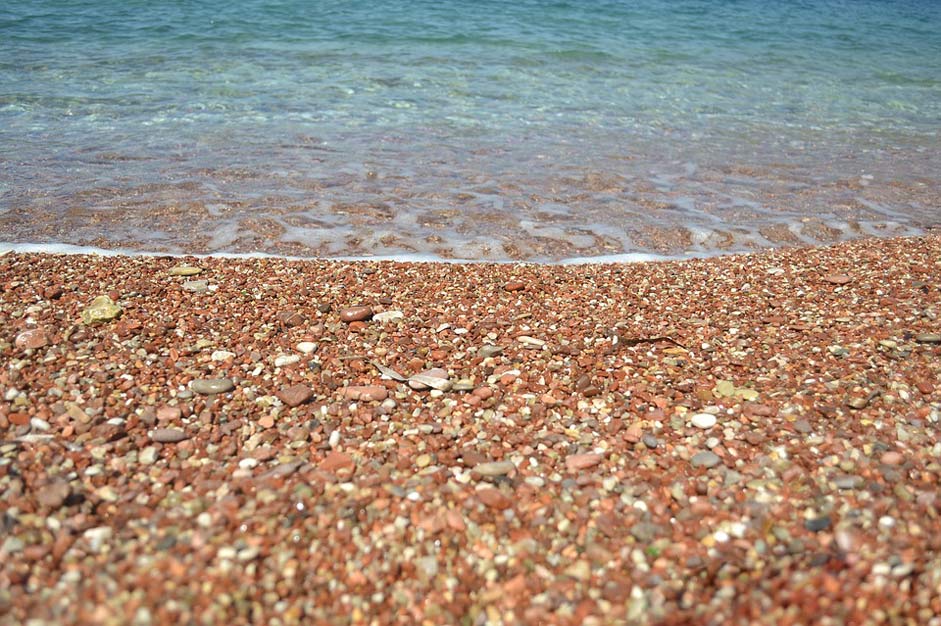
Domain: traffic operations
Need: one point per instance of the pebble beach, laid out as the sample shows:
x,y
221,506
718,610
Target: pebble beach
x,y
734,440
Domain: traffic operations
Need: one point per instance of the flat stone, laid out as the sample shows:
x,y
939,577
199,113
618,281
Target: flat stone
x,y
168,413
295,395
817,524
494,499
207,386
650,441
307,347
489,350
367,393
576,462
836,279
286,359
196,286
355,314
515,285
495,468
168,435
148,456
185,270
336,461
388,316
892,458
703,420
102,309
803,426
848,482
33,338
928,338
435,378
705,459
54,494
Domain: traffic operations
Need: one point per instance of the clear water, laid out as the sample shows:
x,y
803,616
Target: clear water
x,y
486,130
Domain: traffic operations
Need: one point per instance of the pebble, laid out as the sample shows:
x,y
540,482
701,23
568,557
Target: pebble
x,y
97,537
494,499
705,459
388,316
928,338
575,462
530,341
185,270
33,338
436,378
836,279
803,426
196,286
148,456
286,359
848,482
495,468
54,494
168,435
514,285
222,355
892,458
817,524
207,386
307,347
650,441
336,461
102,309
367,393
703,420
168,413
489,350
295,395
355,314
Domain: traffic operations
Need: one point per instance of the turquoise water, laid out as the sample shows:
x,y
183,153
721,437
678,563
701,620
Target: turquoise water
x,y
488,130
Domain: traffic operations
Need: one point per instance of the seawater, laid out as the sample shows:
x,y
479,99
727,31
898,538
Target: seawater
x,y
486,130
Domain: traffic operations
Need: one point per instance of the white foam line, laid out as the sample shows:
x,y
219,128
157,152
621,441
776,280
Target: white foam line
x,y
634,257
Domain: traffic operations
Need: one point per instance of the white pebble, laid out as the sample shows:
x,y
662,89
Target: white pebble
x,y
286,359
703,420
334,439
222,355
307,347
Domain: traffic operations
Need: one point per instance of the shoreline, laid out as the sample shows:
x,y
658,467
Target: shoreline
x,y
744,438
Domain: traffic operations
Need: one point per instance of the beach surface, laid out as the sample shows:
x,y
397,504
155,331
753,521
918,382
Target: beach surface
x,y
733,440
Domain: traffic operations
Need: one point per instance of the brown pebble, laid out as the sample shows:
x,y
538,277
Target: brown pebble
x,y
33,338
494,499
367,393
356,314
836,279
169,413
577,462
295,395
336,461
168,435
892,458
515,285
54,494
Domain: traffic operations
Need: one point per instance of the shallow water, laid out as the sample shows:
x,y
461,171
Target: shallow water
x,y
488,130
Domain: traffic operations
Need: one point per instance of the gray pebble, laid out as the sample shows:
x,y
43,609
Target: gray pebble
x,y
650,441
705,459
168,435
816,524
494,468
928,338
212,385
803,426
848,482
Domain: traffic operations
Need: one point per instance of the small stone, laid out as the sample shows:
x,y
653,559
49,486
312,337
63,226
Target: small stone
x,y
102,309
579,570
928,338
857,403
515,285
337,461
168,435
33,338
495,468
307,347
185,270
576,462
422,461
531,341
168,413
367,393
97,537
286,359
196,286
388,316
817,524
703,420
295,395
54,494
803,426
848,482
892,458
355,314
222,355
494,499
705,459
148,456
650,441
208,386
488,351
435,378
836,279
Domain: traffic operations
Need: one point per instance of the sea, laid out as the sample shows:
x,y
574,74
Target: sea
x,y
481,130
